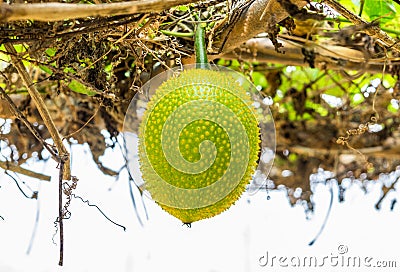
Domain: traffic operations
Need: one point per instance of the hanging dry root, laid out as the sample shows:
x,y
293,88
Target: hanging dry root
x,y
362,128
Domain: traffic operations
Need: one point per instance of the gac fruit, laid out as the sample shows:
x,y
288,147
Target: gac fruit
x,y
198,144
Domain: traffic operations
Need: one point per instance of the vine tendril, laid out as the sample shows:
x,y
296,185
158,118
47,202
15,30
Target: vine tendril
x,y
362,128
97,207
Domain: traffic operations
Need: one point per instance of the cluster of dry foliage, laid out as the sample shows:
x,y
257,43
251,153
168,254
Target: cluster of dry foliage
x,y
86,62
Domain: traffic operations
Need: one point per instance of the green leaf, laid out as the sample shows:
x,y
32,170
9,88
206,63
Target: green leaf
x,y
391,108
4,57
51,52
336,91
183,8
80,88
306,116
259,79
352,5
356,99
388,81
69,70
235,63
19,48
292,157
46,69
318,108
222,62
384,10
288,107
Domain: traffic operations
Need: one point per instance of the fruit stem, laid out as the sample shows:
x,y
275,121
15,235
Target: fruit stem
x,y
200,47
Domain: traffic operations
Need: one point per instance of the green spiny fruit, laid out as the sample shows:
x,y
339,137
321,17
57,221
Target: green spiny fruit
x,y
198,144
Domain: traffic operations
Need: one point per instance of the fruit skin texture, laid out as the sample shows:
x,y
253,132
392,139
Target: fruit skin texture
x,y
198,144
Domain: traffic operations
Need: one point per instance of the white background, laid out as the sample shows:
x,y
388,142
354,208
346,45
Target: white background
x,y
232,241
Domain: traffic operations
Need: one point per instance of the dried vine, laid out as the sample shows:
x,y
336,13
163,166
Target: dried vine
x,y
362,128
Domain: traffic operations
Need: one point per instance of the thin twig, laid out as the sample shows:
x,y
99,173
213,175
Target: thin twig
x,y
84,125
385,192
40,105
60,212
23,171
133,29
371,29
97,207
19,187
326,217
51,12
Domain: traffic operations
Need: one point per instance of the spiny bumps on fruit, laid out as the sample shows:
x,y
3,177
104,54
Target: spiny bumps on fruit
x,y
198,144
